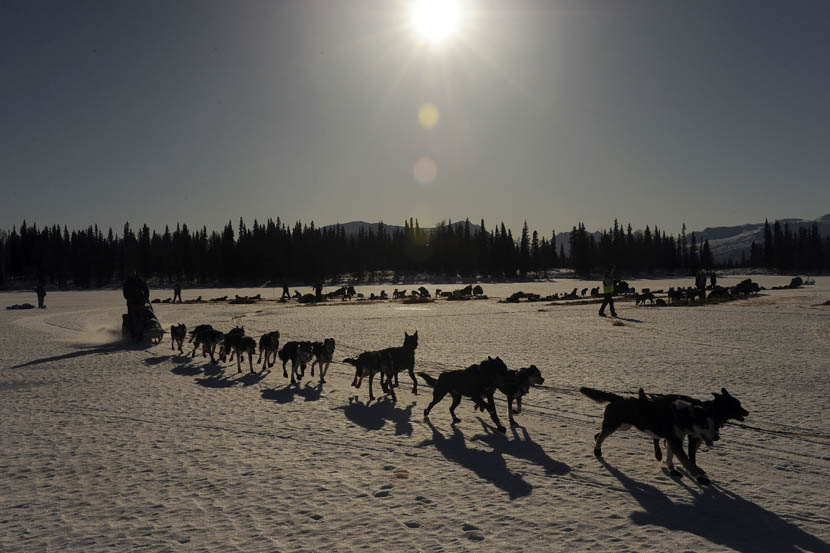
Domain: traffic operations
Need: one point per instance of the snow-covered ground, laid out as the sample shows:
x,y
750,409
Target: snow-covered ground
x,y
105,446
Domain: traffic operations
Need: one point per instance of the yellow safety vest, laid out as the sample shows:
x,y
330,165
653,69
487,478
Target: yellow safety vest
x,y
608,285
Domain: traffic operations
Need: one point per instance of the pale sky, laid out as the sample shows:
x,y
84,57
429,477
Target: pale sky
x,y
654,112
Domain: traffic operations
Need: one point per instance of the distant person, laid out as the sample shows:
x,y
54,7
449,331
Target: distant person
x,y
177,292
318,290
713,278
608,292
41,295
285,293
137,295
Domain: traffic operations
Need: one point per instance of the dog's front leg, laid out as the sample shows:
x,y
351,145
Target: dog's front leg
x,y
510,410
456,399
670,460
694,444
491,406
414,381
675,446
658,453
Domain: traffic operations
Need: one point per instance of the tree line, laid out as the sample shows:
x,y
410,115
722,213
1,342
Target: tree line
x,y
788,250
276,252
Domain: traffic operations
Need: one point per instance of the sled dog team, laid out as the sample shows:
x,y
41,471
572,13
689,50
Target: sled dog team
x,y
671,418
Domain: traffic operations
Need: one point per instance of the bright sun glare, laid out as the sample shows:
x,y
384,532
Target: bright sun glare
x,y
435,20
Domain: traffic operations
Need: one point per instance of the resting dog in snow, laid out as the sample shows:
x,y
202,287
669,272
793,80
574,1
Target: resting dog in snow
x,y
661,417
323,354
721,409
177,335
299,353
269,344
477,382
516,384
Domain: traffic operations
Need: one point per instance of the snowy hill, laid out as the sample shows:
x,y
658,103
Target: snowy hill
x,y
729,243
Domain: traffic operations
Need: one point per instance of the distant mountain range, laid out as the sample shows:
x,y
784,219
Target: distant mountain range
x,y
726,243
729,243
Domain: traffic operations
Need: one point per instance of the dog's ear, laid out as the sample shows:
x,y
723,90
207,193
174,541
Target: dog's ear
x,y
724,392
641,394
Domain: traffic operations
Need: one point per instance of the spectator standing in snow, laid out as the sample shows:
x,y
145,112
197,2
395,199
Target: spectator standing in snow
x,y
41,295
608,292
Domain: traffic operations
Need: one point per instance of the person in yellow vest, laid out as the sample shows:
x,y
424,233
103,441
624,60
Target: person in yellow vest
x,y
608,292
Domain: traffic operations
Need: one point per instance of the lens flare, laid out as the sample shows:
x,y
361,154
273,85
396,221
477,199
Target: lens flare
x,y
428,116
425,170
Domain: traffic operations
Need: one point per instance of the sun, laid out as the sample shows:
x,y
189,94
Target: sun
x,y
435,21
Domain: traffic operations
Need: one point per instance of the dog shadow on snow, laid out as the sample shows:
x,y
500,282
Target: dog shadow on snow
x,y
373,415
520,447
215,377
287,393
180,359
745,526
490,465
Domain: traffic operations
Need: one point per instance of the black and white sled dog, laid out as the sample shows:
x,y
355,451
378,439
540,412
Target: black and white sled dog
x,y
197,330
299,353
230,335
388,362
516,384
661,417
269,345
323,354
402,358
177,335
723,408
477,382
209,339
237,343
368,364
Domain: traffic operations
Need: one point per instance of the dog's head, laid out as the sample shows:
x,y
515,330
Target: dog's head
x,y
328,345
410,341
496,365
728,407
533,375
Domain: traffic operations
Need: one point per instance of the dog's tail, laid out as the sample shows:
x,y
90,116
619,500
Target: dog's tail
x,y
598,395
431,381
350,361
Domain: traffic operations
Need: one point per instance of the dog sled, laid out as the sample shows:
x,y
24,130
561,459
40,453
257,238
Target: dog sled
x,y
142,324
